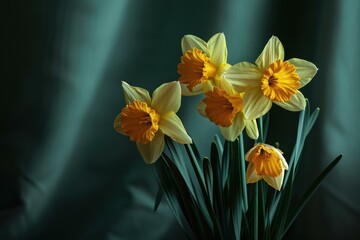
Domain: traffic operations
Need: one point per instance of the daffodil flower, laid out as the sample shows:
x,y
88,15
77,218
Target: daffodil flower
x,y
146,120
271,80
266,162
224,107
202,63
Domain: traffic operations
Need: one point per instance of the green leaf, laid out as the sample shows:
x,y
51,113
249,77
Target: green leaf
x,y
217,194
194,213
158,198
255,212
225,163
234,185
310,192
208,176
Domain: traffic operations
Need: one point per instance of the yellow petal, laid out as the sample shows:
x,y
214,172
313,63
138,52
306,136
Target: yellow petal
x,y
195,91
255,104
306,70
189,42
273,50
217,49
251,176
167,98
243,76
151,151
232,132
296,103
172,126
201,108
135,93
276,182
117,124
207,86
283,161
252,129
225,85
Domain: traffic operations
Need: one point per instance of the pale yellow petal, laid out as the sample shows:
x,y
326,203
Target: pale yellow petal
x,y
283,161
207,86
135,93
306,70
251,176
255,103
151,151
217,49
225,85
189,42
232,132
201,108
296,103
243,76
249,152
195,91
117,124
252,129
276,182
167,98
273,50
172,126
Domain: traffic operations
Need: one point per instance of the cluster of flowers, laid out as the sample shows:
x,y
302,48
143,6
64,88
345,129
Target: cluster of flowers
x,y
234,97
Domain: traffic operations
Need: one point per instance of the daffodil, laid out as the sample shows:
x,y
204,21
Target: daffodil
x,y
202,63
271,80
224,107
146,120
266,162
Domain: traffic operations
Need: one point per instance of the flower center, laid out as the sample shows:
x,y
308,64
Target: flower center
x,y
266,161
195,68
139,122
280,81
221,107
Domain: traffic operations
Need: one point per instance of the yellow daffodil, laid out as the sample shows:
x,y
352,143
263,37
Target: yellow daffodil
x,y
145,120
202,63
223,106
267,162
271,80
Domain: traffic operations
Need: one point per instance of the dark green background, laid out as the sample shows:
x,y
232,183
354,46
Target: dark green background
x,y
66,174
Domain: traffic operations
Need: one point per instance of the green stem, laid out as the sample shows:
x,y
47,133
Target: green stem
x,y
256,211
243,174
261,130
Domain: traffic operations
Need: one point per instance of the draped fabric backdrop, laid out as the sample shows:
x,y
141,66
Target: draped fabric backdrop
x,y
64,171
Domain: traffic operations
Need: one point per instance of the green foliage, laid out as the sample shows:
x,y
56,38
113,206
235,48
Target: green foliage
x,y
211,200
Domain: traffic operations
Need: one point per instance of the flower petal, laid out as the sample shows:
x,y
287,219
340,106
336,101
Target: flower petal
x,y
189,42
251,128
135,93
151,151
276,182
232,132
201,108
296,103
217,49
117,124
273,50
306,70
255,104
167,98
172,126
251,176
243,76
250,152
196,90
225,85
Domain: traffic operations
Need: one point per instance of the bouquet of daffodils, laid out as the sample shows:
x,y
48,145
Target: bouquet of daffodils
x,y
233,193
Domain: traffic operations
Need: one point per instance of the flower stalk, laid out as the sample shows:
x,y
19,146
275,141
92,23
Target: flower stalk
x,y
229,194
